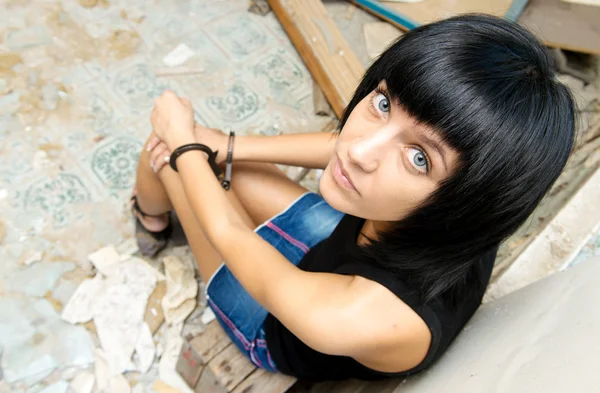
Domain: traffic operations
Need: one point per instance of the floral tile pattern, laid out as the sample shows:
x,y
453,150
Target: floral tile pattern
x,y
75,100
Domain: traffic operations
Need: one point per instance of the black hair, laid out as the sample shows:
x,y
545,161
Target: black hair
x,y
488,87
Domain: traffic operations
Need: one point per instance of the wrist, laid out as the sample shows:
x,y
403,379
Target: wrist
x,y
179,141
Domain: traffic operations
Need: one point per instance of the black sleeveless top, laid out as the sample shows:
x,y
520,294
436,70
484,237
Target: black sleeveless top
x,y
293,357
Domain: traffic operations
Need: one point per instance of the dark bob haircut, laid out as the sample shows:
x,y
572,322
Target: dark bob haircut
x,y
488,87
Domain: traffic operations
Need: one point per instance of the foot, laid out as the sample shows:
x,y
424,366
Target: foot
x,y
153,223
151,232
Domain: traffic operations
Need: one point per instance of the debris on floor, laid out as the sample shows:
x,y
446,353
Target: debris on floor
x,y
259,7
378,36
36,342
125,293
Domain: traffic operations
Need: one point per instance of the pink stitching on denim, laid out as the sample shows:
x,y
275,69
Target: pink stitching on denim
x,y
231,325
254,358
261,343
273,366
286,236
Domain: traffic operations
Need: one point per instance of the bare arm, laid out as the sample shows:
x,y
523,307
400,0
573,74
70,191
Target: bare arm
x,y
308,150
332,313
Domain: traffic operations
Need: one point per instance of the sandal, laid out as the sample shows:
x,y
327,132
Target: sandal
x,y
149,243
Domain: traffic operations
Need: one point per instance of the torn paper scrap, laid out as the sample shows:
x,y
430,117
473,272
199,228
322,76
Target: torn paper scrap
x,y
83,382
127,248
208,316
145,265
116,300
179,314
35,257
182,289
101,371
168,360
178,56
58,387
119,312
80,308
145,349
161,387
104,257
118,384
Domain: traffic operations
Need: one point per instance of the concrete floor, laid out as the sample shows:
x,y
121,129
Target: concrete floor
x,y
76,88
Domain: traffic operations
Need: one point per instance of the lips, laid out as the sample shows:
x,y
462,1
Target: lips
x,y
342,177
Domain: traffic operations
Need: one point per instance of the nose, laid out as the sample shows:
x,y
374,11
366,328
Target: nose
x,y
366,151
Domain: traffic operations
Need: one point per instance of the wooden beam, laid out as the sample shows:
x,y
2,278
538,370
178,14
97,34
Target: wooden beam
x,y
407,16
327,55
224,372
262,381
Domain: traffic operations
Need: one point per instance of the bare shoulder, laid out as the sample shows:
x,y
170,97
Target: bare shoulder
x,y
394,337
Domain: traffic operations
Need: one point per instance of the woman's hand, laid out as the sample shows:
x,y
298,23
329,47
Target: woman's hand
x,y
213,138
159,153
173,120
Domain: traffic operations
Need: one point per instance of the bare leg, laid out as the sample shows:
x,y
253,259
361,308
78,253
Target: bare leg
x,y
263,189
158,194
259,191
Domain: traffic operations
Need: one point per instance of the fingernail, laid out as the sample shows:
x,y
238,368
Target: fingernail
x,y
167,158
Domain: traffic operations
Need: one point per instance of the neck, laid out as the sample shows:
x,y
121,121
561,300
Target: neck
x,y
370,229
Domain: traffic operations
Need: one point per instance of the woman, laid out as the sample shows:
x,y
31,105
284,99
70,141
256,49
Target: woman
x,y
451,140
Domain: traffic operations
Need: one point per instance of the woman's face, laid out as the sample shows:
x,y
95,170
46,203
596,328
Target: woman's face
x,y
385,163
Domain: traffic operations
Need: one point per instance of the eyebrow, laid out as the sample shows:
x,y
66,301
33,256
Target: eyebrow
x,y
434,144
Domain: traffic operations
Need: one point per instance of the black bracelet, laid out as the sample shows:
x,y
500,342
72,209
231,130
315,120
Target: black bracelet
x,y
212,156
227,181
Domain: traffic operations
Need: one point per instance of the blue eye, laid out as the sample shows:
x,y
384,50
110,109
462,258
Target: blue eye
x,y
381,103
418,159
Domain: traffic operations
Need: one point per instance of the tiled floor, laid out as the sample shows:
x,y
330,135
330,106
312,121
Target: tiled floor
x,y
76,88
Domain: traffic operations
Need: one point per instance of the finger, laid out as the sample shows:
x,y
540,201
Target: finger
x,y
162,160
157,151
156,156
152,143
186,102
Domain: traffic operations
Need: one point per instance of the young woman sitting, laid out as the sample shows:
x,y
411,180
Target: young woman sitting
x,y
451,140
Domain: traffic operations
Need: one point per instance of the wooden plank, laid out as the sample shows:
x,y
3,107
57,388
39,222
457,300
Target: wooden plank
x,y
355,386
262,381
407,16
197,352
211,342
189,365
573,27
333,65
225,371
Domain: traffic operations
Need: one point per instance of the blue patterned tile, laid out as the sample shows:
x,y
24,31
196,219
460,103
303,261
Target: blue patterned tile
x,y
115,162
165,26
208,59
53,195
240,35
282,78
204,11
233,105
135,85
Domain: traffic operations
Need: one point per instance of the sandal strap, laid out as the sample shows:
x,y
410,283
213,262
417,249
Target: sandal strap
x,y
138,209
